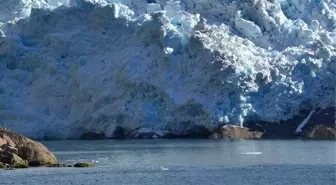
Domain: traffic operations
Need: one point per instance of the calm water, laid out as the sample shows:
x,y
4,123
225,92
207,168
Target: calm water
x,y
186,162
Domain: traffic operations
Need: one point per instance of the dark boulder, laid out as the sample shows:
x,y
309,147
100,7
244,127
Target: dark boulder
x,y
58,165
84,165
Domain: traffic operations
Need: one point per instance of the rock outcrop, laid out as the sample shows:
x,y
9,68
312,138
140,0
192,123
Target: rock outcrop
x,y
59,165
322,120
2,165
321,132
84,165
236,132
9,155
18,150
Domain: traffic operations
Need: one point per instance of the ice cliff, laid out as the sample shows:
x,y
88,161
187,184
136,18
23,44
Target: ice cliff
x,y
72,66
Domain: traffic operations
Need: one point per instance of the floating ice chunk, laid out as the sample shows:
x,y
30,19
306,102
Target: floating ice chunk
x,y
252,153
164,168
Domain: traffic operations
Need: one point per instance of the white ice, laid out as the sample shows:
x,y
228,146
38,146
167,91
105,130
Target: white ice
x,y
68,67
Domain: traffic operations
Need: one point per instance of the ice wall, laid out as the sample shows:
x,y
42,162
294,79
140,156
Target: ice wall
x,y
69,67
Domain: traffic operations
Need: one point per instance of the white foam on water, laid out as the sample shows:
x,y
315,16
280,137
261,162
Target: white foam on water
x,y
252,153
163,168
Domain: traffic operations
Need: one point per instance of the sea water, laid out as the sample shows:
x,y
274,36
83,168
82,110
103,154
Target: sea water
x,y
179,162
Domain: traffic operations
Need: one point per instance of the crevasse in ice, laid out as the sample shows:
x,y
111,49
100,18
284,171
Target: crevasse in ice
x,y
73,66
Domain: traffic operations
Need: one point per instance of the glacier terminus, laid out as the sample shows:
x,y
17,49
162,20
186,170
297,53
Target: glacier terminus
x,y
68,67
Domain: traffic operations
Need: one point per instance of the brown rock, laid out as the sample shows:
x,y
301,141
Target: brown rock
x,y
5,137
2,142
9,149
84,165
12,159
321,132
34,152
235,132
58,165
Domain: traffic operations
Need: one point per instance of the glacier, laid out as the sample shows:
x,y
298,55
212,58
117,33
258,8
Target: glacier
x,y
68,67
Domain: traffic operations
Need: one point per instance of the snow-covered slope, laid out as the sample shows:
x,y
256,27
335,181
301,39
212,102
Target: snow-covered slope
x,y
73,66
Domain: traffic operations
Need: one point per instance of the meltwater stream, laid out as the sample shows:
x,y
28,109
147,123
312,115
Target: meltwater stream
x,y
184,162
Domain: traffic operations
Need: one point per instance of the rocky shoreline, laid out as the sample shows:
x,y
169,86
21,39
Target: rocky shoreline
x,y
17,151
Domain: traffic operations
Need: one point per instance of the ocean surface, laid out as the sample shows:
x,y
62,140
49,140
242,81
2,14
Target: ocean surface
x,y
186,162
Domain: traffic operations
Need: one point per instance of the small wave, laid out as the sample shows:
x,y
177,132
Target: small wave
x,y
252,153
